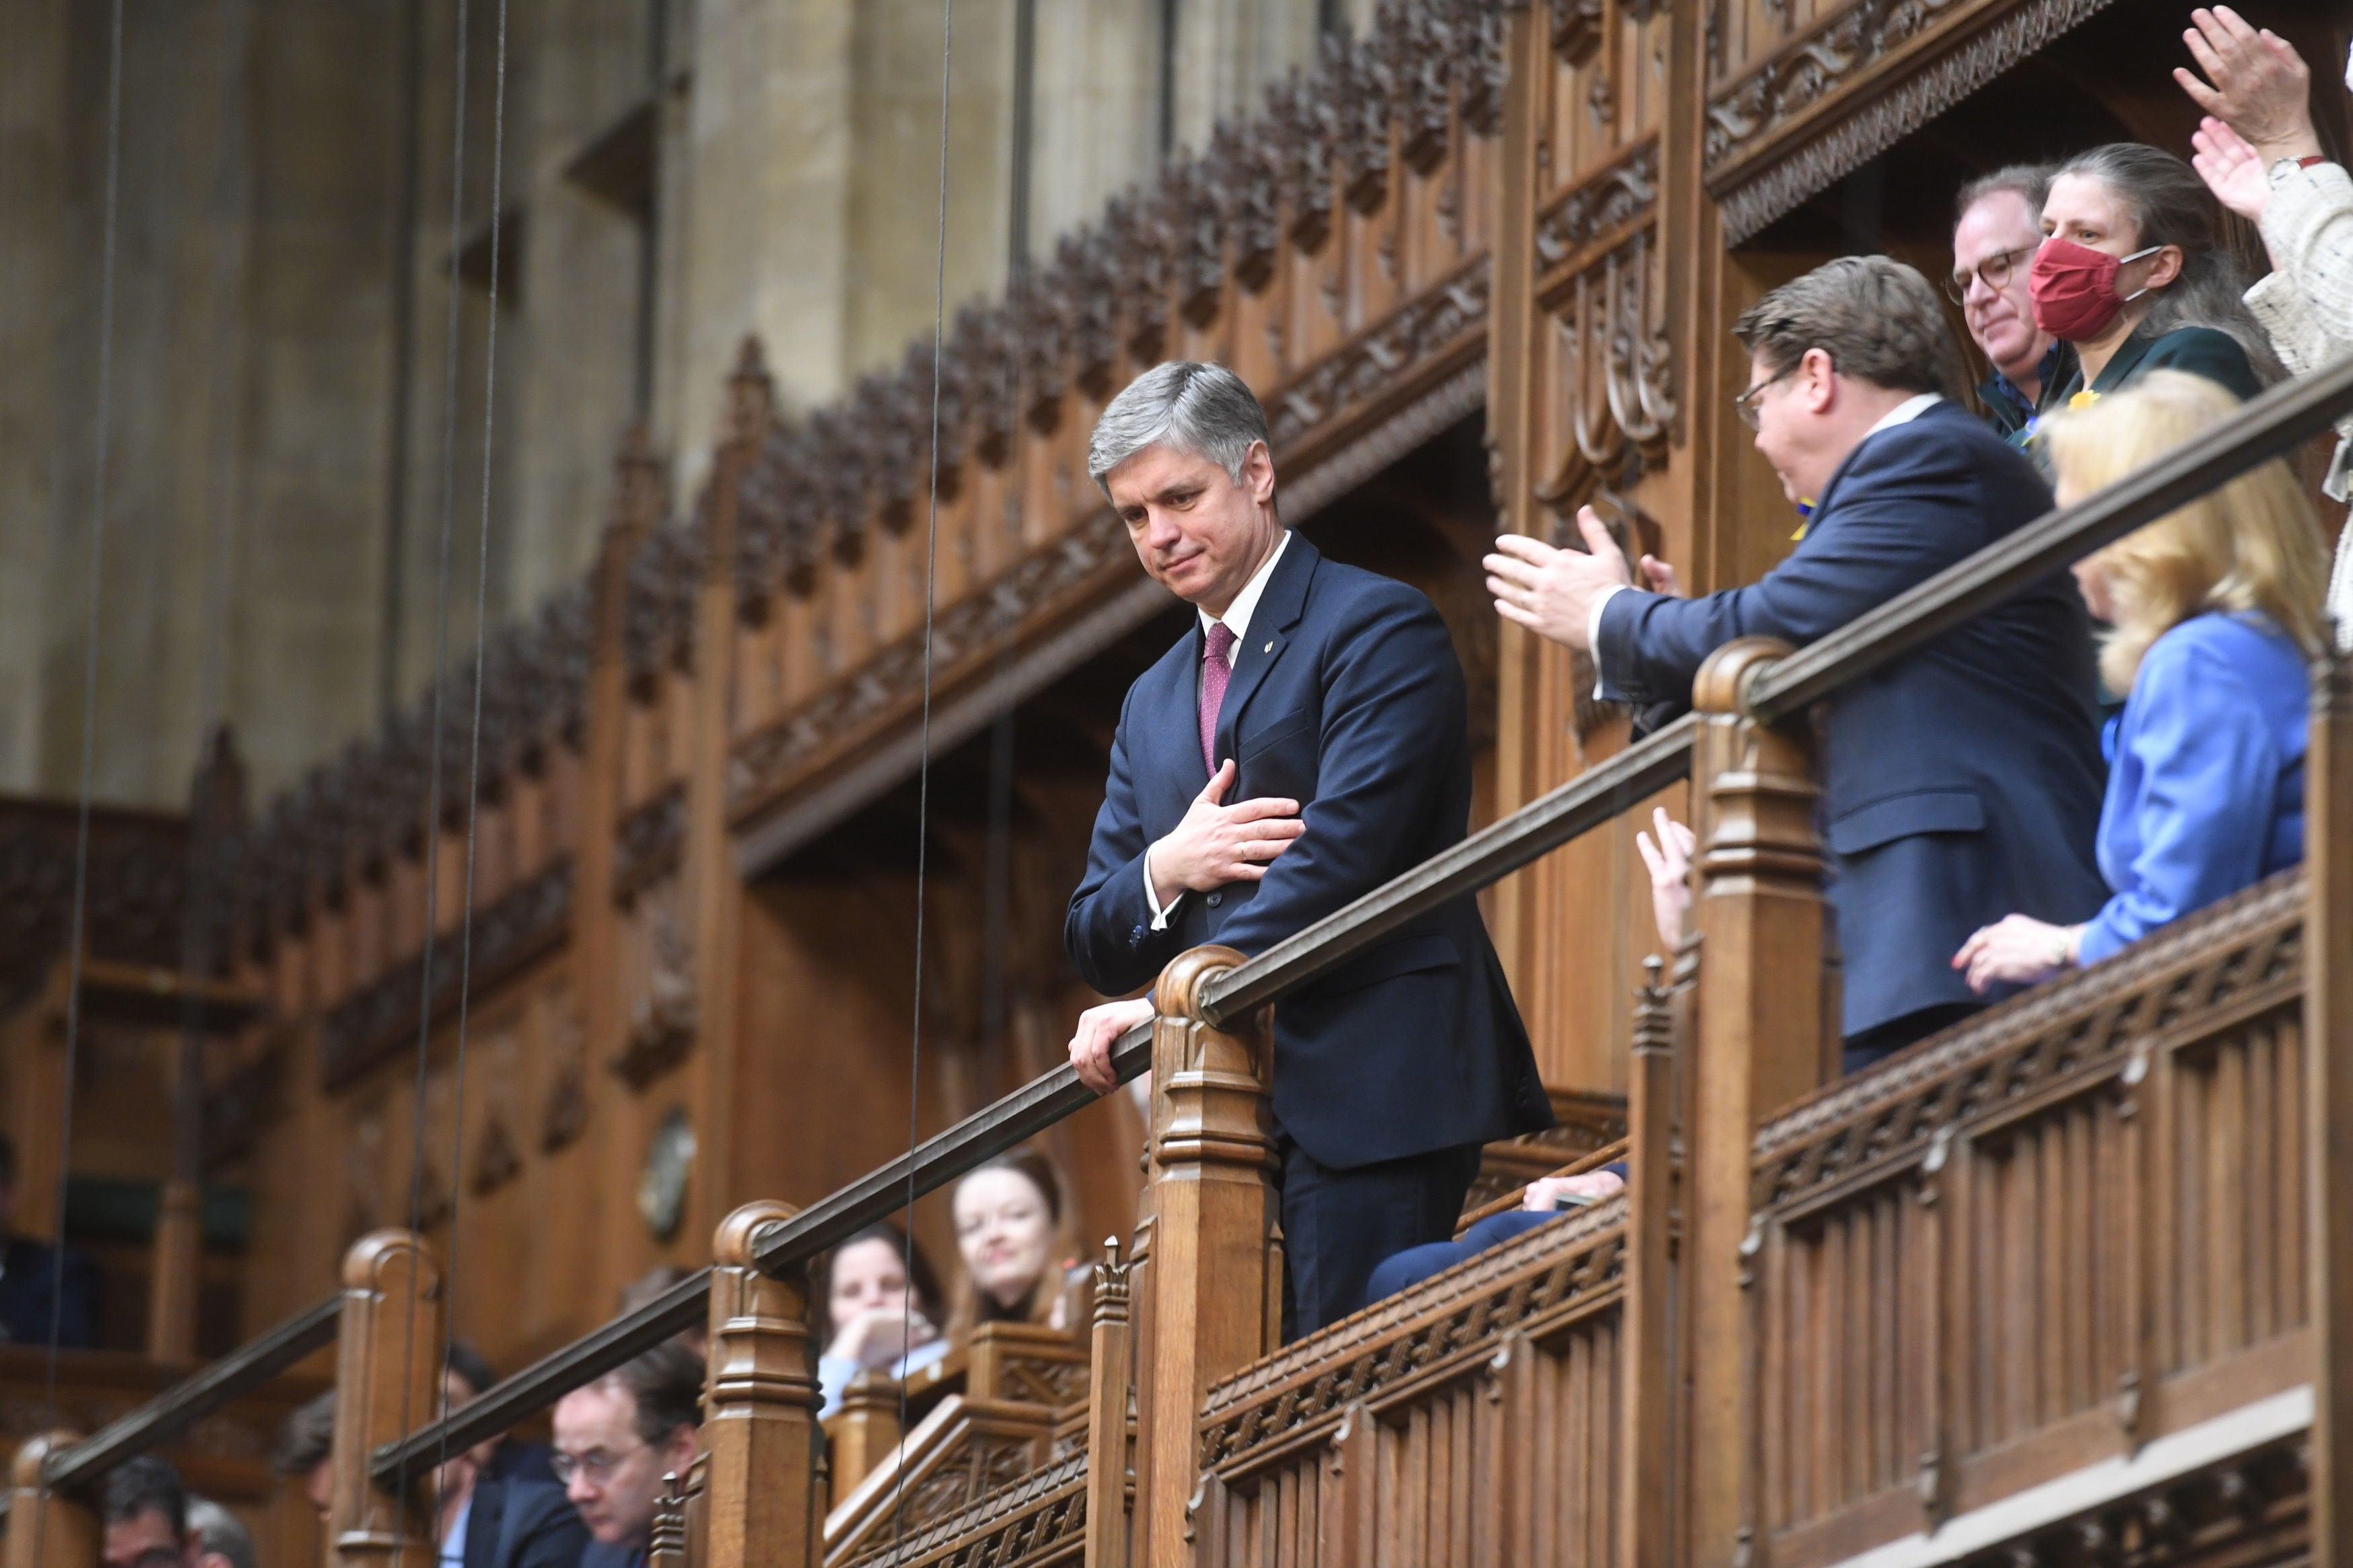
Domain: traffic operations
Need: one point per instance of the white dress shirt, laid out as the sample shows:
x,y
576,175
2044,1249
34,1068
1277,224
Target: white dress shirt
x,y
1902,413
1236,619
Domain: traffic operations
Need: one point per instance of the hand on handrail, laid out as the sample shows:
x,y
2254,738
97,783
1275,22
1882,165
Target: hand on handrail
x,y
1099,1030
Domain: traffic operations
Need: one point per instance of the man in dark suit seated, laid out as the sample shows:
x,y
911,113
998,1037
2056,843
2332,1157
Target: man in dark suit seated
x,y
1960,780
511,1524
616,1437
31,1291
1304,743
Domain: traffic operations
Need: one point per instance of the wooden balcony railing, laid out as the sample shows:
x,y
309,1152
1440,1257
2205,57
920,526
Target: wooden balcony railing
x,y
2088,1226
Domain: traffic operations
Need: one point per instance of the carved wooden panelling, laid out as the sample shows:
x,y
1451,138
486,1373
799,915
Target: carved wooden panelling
x,y
1037,1523
2064,1228
1848,87
1471,1420
525,925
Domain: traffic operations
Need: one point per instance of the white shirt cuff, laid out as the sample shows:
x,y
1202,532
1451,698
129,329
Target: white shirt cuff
x,y
1152,896
1593,634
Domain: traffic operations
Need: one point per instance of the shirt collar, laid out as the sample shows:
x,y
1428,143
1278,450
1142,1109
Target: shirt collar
x,y
1237,618
453,1545
1905,413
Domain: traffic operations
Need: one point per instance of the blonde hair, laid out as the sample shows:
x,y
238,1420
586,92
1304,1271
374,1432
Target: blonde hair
x,y
2252,545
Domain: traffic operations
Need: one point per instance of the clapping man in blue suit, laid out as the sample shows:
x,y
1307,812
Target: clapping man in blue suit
x,y
1304,743
1960,780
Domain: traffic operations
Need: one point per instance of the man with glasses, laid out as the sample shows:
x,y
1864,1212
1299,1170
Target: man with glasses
x,y
1996,229
1958,780
616,1437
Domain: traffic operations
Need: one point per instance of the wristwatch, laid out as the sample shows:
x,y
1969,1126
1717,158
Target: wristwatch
x,y
2282,167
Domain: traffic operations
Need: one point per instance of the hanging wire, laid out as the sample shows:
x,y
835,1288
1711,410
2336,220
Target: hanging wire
x,y
923,764
76,939
432,825
474,753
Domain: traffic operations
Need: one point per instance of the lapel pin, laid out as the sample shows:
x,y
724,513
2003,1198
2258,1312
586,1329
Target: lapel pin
x,y
1269,648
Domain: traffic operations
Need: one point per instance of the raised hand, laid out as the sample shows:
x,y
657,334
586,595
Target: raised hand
x,y
2231,168
2261,87
1216,843
1669,856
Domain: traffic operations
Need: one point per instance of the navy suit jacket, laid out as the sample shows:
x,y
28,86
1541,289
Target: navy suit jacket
x,y
523,1524
1961,782
1347,696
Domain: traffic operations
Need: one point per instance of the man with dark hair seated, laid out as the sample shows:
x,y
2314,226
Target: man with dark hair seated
x,y
31,1294
616,1437
466,1376
146,1517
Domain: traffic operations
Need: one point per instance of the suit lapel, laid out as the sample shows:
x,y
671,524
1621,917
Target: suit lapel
x,y
1279,610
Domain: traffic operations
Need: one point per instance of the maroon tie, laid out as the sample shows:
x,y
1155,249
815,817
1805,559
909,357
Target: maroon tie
x,y
1215,671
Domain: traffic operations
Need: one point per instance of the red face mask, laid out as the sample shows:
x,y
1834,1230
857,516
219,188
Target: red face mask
x,y
2075,287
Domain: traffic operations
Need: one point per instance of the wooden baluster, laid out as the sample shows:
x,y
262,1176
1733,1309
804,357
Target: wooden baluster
x,y
1644,1510
47,1528
1212,1206
1761,923
862,1434
387,1384
1107,1407
667,1546
759,1423
2328,1097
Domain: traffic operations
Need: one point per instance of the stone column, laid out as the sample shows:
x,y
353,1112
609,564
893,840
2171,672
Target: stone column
x,y
759,1425
1213,1207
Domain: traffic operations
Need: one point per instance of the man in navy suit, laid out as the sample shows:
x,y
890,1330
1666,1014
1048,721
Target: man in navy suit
x,y
1303,743
1959,781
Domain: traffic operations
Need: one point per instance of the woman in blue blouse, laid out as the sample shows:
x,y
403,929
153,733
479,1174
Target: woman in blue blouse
x,y
2216,607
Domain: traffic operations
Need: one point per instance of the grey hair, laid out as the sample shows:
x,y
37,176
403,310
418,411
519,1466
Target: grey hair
x,y
2029,182
2170,205
1205,410
219,1533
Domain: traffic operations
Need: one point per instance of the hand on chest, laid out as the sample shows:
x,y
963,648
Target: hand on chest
x,y
1263,714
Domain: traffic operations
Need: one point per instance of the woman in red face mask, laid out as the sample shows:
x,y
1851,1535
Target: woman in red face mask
x,y
2129,272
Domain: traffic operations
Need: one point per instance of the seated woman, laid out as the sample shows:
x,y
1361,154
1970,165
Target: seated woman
x,y
2132,273
1549,1197
1009,1227
2216,608
882,1304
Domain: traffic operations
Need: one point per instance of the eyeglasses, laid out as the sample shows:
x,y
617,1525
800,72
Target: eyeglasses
x,y
1745,404
1993,272
597,1464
